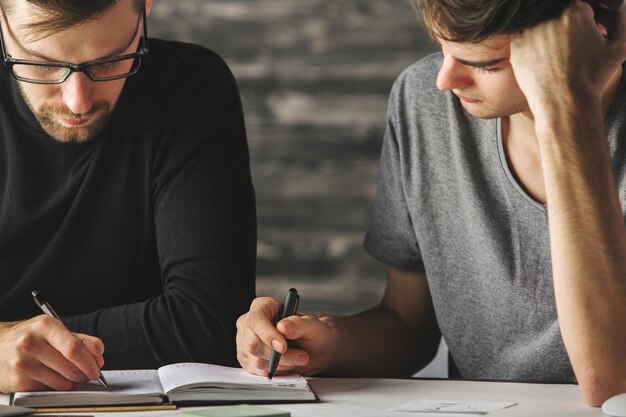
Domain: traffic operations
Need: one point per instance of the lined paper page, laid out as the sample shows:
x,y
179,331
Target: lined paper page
x,y
122,384
190,374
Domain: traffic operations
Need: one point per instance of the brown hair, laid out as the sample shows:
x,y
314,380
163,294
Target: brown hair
x,y
64,14
475,20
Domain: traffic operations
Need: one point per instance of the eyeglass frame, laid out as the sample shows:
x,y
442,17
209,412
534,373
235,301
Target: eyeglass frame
x,y
142,50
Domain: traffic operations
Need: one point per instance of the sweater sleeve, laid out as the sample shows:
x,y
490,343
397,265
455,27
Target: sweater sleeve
x,y
205,231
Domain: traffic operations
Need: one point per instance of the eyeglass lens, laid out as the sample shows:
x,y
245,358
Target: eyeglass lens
x,y
50,73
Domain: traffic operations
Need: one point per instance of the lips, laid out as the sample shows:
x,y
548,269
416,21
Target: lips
x,y
466,99
74,122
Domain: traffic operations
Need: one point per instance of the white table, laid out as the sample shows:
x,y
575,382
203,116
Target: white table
x,y
341,397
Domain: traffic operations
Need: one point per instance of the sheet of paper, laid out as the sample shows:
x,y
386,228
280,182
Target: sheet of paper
x,y
141,381
451,406
183,374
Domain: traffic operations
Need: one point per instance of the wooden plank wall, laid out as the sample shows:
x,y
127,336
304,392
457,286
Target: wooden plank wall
x,y
314,77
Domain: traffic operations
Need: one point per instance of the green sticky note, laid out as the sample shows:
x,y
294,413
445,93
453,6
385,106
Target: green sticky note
x,y
243,410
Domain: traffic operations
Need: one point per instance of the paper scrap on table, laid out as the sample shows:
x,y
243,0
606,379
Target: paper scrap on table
x,y
448,406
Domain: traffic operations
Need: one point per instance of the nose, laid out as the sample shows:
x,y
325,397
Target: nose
x,y
78,93
452,75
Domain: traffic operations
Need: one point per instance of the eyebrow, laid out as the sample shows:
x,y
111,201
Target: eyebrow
x,y
48,59
482,64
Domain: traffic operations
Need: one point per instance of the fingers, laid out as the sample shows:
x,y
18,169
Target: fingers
x,y
257,337
29,377
569,55
44,378
611,28
260,319
95,346
34,367
299,327
41,353
74,353
255,332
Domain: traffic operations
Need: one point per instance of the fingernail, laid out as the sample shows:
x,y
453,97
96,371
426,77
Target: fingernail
x,y
277,345
301,360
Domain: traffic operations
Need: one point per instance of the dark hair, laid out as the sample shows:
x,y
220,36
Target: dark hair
x,y
65,14
475,20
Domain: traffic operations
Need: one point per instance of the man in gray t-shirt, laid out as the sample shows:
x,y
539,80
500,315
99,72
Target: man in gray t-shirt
x,y
499,208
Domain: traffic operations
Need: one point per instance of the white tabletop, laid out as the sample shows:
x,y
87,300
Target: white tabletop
x,y
341,397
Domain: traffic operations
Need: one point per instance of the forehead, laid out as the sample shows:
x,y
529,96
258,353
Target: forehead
x,y
497,45
108,30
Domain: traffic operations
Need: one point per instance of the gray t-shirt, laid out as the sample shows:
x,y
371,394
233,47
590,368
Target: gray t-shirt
x,y
448,205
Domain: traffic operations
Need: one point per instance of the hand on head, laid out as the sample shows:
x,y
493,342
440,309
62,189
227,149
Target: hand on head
x,y
41,354
257,337
577,52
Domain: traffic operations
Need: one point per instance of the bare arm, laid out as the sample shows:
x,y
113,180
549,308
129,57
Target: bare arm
x,y
393,339
396,338
587,231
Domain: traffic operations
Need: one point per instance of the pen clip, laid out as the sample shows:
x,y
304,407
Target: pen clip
x,y
45,307
35,293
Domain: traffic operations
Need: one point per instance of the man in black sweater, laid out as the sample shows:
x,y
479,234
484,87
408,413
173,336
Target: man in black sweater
x,y
125,196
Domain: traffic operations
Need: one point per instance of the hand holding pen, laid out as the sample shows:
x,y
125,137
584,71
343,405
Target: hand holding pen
x,y
46,308
40,353
261,340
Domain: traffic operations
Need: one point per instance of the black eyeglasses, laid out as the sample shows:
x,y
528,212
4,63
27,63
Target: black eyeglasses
x,y
57,72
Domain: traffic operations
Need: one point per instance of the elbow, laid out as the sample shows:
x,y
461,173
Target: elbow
x,y
593,397
596,388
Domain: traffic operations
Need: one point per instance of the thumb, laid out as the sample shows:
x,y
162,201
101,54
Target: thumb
x,y
303,327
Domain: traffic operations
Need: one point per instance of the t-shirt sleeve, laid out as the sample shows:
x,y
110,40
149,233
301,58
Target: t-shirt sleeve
x,y
205,230
390,236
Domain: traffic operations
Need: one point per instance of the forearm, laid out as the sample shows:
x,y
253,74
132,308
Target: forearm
x,y
144,336
378,343
187,323
588,244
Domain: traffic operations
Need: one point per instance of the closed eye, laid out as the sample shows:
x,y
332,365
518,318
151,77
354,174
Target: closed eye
x,y
488,69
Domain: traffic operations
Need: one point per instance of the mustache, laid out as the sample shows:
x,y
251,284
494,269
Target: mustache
x,y
60,110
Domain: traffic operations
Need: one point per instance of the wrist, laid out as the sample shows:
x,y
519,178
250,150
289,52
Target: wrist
x,y
561,117
5,325
330,358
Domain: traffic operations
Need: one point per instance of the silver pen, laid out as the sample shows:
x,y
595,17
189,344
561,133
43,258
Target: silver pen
x,y
47,309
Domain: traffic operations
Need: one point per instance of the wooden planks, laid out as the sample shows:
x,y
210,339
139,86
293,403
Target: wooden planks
x,y
314,77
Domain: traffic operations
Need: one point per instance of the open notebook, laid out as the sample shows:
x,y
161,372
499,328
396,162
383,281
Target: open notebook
x,y
188,383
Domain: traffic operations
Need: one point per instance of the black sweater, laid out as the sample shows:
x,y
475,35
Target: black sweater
x,y
146,235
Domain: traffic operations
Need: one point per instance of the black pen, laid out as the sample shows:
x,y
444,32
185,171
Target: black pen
x,y
289,309
47,309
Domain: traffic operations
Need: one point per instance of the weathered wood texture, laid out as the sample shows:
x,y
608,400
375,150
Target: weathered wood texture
x,y
314,77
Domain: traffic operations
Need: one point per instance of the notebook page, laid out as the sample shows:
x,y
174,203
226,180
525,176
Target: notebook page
x,y
185,374
122,383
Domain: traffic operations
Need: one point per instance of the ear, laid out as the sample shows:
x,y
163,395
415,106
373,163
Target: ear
x,y
148,6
